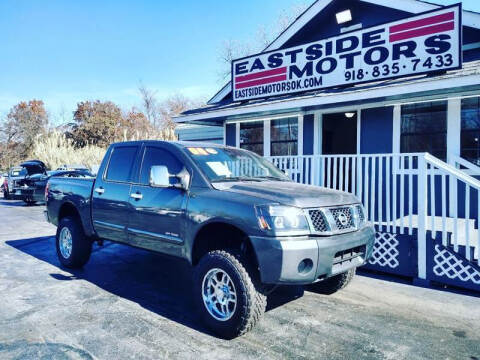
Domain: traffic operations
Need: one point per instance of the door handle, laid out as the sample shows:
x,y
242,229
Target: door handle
x,y
136,196
100,190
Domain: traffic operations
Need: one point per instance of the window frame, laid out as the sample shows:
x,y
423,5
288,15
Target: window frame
x,y
285,141
262,142
425,134
466,130
132,169
143,152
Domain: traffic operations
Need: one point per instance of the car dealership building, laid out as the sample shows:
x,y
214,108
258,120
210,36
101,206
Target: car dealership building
x,y
380,98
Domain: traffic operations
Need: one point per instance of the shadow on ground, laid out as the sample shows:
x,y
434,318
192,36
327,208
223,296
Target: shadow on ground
x,y
18,203
158,283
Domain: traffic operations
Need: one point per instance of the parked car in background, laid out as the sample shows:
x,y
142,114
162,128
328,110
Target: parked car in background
x,y
3,184
19,175
72,167
33,188
241,222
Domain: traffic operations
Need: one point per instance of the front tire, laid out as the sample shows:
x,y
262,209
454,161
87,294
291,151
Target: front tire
x,y
335,283
229,302
73,247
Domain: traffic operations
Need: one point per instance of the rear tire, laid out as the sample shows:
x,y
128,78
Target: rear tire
x,y
335,283
73,247
240,312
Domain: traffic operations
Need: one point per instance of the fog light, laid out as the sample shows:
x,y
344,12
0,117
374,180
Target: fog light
x,y
305,266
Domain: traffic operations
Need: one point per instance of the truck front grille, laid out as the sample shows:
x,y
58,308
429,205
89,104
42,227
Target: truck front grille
x,y
333,220
343,217
318,220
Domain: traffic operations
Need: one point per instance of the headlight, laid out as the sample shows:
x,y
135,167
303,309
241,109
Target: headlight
x,y
282,219
360,215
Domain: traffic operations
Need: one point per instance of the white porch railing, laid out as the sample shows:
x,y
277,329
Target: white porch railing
x,y
401,193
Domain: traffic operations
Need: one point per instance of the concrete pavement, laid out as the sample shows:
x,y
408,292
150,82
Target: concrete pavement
x,y
129,303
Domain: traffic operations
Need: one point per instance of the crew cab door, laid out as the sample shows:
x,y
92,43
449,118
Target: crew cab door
x,y
111,193
157,219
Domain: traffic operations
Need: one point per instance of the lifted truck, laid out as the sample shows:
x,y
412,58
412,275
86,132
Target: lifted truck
x,y
241,222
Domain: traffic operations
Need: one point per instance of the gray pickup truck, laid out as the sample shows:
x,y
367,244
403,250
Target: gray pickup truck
x,y
241,223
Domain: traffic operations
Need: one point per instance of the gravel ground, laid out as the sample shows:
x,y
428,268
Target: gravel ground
x,y
129,303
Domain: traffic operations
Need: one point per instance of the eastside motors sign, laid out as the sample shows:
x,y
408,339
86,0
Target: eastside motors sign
x,y
421,44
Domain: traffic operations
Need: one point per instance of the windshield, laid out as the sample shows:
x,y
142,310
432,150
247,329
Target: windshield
x,y
227,164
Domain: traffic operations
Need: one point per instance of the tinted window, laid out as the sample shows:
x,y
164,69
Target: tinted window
x,y
156,156
251,136
471,130
121,163
284,137
424,128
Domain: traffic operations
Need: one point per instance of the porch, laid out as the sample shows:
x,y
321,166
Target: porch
x,y
425,210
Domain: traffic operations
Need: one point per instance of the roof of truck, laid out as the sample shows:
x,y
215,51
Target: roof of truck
x,y
178,143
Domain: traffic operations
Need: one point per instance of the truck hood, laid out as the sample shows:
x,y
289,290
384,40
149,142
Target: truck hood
x,y
289,193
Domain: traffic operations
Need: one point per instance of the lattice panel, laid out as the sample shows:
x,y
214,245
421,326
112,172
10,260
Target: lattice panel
x,y
449,265
385,250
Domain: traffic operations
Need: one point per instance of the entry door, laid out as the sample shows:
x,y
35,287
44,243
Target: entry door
x,y
157,213
339,133
339,137
110,207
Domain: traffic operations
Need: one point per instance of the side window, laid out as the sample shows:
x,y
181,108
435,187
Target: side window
x,y
157,156
121,163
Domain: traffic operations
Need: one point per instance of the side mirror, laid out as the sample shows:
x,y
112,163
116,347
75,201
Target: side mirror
x,y
159,176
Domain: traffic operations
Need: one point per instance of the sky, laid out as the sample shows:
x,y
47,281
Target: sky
x,y
63,51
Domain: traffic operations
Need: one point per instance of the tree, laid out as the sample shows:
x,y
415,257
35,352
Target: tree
x,y
150,104
161,113
133,125
95,123
264,36
23,124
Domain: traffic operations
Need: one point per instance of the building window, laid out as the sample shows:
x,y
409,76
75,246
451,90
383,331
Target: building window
x,y
251,136
284,137
424,128
470,136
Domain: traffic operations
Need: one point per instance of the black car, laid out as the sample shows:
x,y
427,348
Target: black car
x,y
36,184
28,181
18,178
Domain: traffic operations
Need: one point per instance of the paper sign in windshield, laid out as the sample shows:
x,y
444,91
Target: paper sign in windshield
x,y
219,168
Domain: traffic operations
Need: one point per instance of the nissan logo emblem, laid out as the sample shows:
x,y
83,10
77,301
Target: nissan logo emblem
x,y
343,219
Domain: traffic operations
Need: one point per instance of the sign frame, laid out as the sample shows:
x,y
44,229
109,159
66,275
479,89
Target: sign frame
x,y
321,88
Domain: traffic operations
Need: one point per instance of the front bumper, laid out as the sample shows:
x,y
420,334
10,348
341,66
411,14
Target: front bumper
x,y
303,260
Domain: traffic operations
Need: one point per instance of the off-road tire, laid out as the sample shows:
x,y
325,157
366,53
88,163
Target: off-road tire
x,y
251,300
335,283
81,245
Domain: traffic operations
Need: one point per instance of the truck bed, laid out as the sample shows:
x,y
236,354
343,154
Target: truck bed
x,y
76,191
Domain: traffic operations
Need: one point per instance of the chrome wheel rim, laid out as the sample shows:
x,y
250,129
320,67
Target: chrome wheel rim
x,y
219,295
65,242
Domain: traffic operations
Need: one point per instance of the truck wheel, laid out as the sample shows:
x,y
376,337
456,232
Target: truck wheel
x,y
228,300
73,247
334,284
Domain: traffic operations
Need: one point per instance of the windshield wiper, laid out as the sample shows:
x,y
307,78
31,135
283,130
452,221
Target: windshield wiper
x,y
271,178
237,178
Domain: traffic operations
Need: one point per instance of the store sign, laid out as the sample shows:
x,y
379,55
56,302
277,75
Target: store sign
x,y
421,44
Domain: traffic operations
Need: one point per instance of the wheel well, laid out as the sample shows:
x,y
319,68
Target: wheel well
x,y
68,209
221,236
